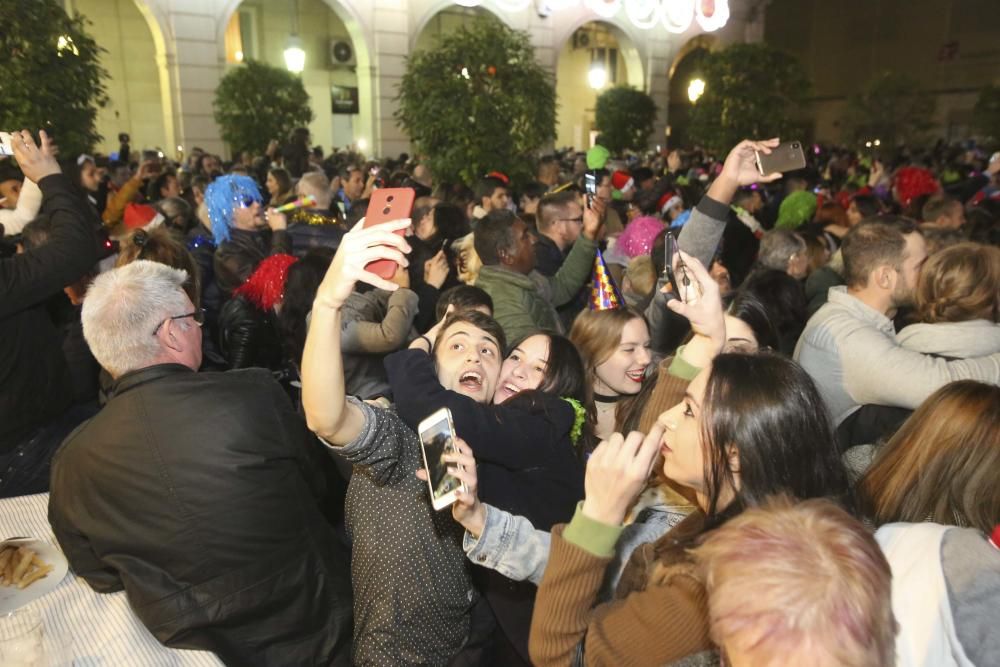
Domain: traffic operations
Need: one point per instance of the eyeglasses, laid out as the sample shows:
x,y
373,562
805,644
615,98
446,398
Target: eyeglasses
x,y
198,316
578,220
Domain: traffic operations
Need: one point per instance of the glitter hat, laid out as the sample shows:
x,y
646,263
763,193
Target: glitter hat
x,y
638,237
913,182
604,294
223,196
796,209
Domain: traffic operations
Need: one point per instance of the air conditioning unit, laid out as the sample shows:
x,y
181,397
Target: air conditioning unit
x,y
342,53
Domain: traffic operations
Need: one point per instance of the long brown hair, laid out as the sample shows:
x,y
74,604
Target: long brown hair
x,y
943,463
959,283
596,335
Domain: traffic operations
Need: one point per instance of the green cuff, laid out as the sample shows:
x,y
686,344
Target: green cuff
x,y
680,368
593,536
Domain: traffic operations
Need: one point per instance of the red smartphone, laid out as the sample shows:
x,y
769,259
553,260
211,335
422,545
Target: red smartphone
x,y
386,205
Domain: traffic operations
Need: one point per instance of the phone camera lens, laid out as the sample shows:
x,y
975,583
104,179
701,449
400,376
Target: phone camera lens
x,y
389,198
386,210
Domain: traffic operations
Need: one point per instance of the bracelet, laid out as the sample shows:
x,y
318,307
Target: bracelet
x,y
430,346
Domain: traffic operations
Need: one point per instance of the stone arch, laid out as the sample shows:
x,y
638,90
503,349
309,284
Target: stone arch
x,y
707,41
358,34
625,35
159,28
434,9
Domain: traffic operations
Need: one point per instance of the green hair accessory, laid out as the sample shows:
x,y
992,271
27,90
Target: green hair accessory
x,y
581,417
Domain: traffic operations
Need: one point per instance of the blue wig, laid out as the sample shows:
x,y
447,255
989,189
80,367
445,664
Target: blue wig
x,y
223,196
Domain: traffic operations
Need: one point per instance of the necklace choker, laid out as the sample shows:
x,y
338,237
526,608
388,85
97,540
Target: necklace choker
x,y
601,398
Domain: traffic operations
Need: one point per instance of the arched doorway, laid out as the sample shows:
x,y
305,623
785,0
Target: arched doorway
x,y
685,69
134,94
595,56
335,52
445,22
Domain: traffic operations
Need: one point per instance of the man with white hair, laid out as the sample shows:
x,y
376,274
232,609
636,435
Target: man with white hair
x,y
198,493
316,226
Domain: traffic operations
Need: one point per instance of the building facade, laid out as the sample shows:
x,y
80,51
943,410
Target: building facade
x,y
166,58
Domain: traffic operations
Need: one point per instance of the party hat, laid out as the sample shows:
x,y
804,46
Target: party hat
x,y
604,294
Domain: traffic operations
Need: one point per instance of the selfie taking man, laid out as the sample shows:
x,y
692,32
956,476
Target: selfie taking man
x,y
414,599
198,494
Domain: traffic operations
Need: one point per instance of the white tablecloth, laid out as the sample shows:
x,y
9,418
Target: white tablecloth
x,y
101,629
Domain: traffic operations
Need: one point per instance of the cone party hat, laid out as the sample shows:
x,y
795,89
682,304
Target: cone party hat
x,y
604,294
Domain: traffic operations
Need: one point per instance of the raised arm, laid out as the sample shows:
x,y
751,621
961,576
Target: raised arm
x,y
701,235
579,262
328,412
28,204
71,251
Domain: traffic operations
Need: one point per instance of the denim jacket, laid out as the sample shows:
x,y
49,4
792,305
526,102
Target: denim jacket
x,y
513,547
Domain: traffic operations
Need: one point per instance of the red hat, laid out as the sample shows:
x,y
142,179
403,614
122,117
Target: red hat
x,y
500,176
142,216
621,181
668,201
913,182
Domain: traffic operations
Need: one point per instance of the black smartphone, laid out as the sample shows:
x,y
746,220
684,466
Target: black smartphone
x,y
669,252
590,187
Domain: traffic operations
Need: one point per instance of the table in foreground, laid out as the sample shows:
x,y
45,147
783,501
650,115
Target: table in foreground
x,y
102,628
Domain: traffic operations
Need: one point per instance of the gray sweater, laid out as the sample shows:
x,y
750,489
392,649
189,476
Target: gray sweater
x,y
374,323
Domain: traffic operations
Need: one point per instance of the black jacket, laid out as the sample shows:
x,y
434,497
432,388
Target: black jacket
x,y
248,337
237,258
35,384
525,462
198,493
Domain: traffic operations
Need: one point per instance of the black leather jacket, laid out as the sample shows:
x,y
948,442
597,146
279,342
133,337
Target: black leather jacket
x,y
237,258
198,494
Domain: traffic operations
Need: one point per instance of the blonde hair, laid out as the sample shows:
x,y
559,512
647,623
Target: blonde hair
x,y
468,259
942,464
641,274
959,284
799,583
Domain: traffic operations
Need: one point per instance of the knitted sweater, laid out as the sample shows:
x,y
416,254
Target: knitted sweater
x,y
661,614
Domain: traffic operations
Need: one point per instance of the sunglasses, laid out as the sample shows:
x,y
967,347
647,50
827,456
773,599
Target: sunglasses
x,y
247,202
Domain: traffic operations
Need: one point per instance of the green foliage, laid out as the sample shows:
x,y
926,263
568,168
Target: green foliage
x,y
43,86
986,113
492,117
256,102
891,108
624,117
752,91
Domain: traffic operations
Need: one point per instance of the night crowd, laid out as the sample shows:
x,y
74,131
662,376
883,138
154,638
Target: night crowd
x,y
702,415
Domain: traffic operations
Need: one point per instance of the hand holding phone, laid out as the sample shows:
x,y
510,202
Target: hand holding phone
x,y
590,186
5,146
385,206
787,156
437,438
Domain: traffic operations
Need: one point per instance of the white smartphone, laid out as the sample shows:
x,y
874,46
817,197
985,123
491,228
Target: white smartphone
x,y
437,436
5,147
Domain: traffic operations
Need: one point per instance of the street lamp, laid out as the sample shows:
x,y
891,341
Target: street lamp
x,y
295,57
597,77
696,89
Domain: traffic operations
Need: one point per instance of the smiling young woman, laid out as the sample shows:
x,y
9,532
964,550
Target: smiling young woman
x,y
614,345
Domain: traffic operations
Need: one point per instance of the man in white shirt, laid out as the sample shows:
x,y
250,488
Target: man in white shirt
x,y
849,346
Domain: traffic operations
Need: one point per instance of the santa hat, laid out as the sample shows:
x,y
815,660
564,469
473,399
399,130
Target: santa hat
x,y
667,201
622,182
604,294
142,216
266,285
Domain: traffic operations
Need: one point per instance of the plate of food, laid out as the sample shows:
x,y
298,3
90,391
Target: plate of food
x,y
29,569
